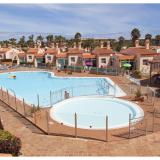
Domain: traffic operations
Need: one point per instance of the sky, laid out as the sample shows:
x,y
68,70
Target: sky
x,y
91,20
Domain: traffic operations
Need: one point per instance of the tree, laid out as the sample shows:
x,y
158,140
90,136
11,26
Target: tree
x,y
50,39
12,41
77,37
121,40
148,36
41,39
157,39
135,34
30,41
22,42
70,43
60,39
118,45
89,44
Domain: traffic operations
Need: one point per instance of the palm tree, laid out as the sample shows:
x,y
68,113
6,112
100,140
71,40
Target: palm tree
x,y
70,43
121,40
148,36
135,34
77,37
22,42
30,41
89,44
49,39
12,41
39,38
60,39
157,38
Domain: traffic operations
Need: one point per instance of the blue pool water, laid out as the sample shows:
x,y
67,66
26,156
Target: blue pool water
x,y
92,112
28,85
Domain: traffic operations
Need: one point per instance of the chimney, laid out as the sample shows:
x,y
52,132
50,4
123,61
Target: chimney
x,y
74,45
79,45
147,43
52,45
136,43
56,45
108,45
35,45
9,46
101,44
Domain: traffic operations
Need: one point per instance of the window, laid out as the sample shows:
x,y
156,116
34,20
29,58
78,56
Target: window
x,y
73,59
29,57
103,60
145,62
49,58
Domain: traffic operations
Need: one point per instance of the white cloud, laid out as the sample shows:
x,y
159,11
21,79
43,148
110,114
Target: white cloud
x,y
94,19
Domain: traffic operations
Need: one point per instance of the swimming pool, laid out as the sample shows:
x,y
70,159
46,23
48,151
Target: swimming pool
x,y
92,112
29,84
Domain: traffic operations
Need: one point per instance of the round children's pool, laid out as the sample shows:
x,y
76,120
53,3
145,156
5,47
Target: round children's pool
x,y
92,111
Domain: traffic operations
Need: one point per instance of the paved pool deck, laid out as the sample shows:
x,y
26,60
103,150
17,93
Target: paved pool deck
x,y
35,143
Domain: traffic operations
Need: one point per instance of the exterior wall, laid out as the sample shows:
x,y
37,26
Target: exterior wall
x,y
30,60
49,60
158,50
100,64
144,68
12,54
2,56
70,57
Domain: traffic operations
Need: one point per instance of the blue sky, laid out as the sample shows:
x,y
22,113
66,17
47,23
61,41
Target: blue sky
x,y
105,20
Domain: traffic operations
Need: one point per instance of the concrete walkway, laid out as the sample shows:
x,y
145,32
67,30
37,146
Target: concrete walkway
x,y
34,143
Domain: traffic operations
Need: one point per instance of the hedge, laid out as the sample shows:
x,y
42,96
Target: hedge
x,y
9,143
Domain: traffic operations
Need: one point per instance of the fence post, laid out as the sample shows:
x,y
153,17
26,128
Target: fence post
x,y
24,109
47,122
35,120
75,122
15,101
2,93
61,94
38,100
8,96
72,91
106,128
50,98
129,126
145,125
154,113
97,70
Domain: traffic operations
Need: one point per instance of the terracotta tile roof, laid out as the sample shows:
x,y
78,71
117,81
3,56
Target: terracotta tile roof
x,y
125,57
88,55
51,51
138,51
40,55
75,51
61,55
3,50
103,51
32,51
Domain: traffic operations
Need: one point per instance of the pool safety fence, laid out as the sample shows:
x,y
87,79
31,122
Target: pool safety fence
x,y
102,89
92,70
41,118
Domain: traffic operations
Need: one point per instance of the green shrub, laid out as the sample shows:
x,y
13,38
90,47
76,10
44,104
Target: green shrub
x,y
137,74
9,143
138,93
